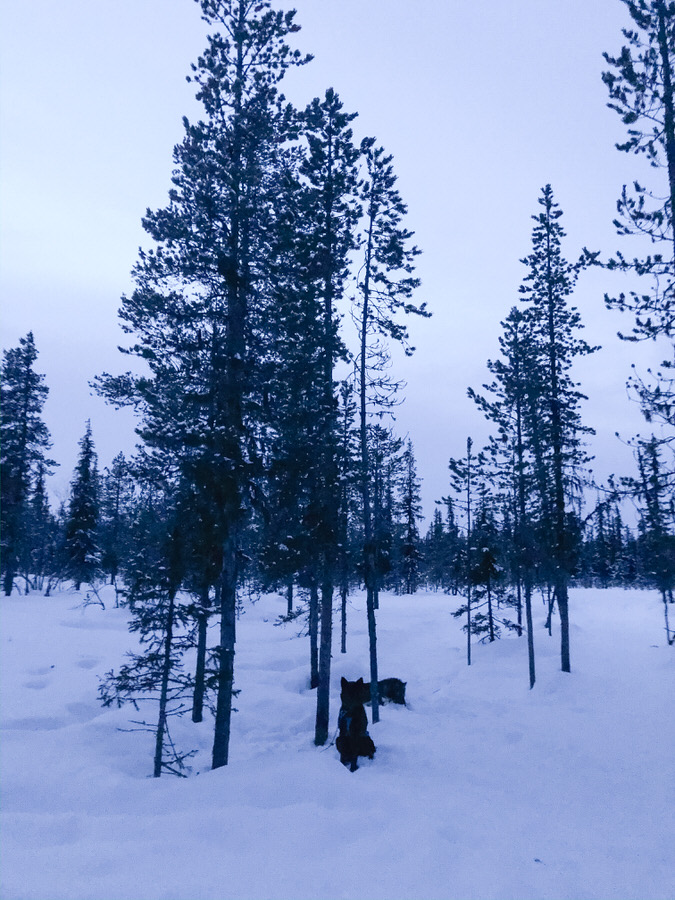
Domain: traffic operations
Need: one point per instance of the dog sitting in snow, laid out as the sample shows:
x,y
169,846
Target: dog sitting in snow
x,y
353,739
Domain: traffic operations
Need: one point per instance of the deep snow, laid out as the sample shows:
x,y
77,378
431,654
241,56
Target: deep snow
x,y
479,789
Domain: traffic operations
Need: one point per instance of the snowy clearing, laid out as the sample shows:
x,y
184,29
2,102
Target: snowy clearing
x,y
479,789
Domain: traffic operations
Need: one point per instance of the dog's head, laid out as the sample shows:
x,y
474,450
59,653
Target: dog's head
x,y
351,694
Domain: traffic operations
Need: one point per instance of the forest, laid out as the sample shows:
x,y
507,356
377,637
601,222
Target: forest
x,y
264,338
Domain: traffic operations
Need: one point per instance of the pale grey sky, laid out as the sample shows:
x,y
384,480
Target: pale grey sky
x,y
482,102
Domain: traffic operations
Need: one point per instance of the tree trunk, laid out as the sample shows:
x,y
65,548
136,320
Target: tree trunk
x,y
343,619
200,669
372,643
313,634
469,444
530,632
323,688
164,690
668,109
563,609
228,614
491,621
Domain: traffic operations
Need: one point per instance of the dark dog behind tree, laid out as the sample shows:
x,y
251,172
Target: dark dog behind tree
x,y
353,739
391,690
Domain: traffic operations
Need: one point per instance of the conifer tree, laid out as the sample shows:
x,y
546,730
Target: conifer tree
x,y
410,506
201,306
436,552
42,533
512,404
386,286
24,444
82,550
555,427
385,465
641,85
329,177
655,489
153,572
116,504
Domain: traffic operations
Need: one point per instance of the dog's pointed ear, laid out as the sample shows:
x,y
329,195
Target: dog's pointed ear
x,y
360,681
343,681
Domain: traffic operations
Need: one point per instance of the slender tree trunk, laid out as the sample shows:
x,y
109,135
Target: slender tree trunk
x,y
289,597
313,634
323,689
469,444
530,631
200,668
665,613
228,615
491,621
343,619
668,108
561,576
164,690
368,549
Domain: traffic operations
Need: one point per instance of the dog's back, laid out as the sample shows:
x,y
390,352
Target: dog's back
x,y
353,738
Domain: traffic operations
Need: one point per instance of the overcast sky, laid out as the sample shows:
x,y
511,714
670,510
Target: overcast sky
x,y
481,102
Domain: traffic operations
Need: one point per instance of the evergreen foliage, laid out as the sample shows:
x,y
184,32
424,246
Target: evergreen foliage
x,y
82,550
25,442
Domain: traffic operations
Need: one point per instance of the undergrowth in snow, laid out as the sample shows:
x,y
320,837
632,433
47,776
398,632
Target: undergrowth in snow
x,y
479,788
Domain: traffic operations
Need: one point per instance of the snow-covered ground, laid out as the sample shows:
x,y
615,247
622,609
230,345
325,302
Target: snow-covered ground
x,y
479,789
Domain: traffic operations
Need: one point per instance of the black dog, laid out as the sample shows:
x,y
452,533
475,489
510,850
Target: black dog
x,y
391,690
353,739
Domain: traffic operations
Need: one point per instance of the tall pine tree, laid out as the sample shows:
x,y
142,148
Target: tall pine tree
x,y
24,443
202,301
554,421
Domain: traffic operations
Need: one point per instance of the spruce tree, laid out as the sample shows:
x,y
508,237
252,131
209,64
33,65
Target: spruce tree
x,y
410,511
24,444
82,550
655,489
42,532
511,403
554,421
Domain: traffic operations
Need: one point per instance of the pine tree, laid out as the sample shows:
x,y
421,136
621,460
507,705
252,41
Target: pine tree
x,y
464,475
512,405
641,85
203,298
24,441
42,530
116,505
436,552
410,506
152,573
655,489
386,287
385,466
555,428
330,204
82,551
